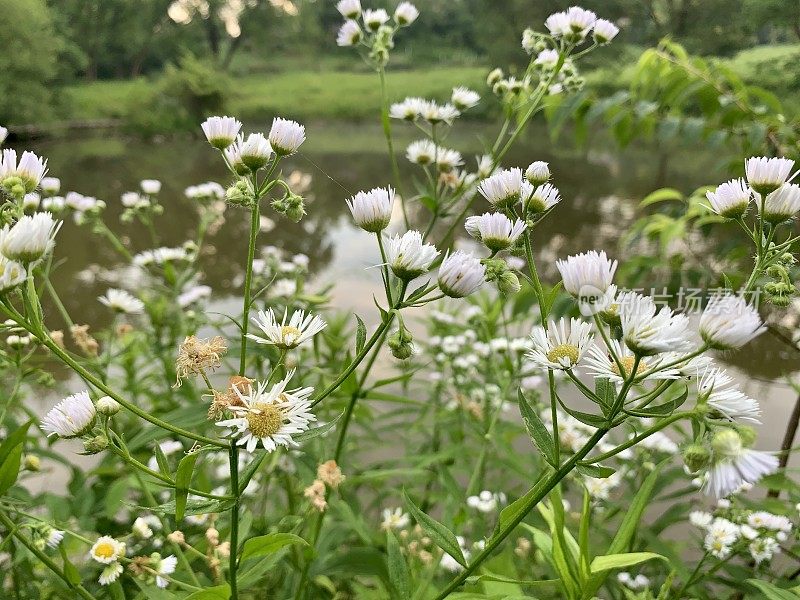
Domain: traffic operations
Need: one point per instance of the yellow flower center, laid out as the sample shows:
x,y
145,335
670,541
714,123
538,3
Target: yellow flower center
x,y
266,422
289,334
627,365
563,351
105,550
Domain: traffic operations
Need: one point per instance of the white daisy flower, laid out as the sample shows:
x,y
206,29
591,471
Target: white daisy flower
x,y
561,346
407,110
700,518
54,537
30,168
558,24
447,159
298,330
503,188
421,152
349,34
150,186
271,416
122,301
405,14
729,322
718,390
720,536
538,173
349,9
107,550
286,136
647,330
495,230
372,210
782,204
50,185
580,20
439,113
255,151
734,464
408,256
766,175
72,417
763,549
547,58
395,519
731,199
12,274
30,238
604,31
461,274
373,19
110,573
602,364
464,98
54,203
165,567
540,199
588,276
221,132
141,529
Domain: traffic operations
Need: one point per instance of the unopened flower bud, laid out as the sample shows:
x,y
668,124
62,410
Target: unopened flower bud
x,y
508,283
95,445
108,406
727,443
239,193
31,463
295,208
696,457
400,344
212,535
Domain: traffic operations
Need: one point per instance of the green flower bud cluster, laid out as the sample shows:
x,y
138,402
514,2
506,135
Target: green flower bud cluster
x,y
497,270
291,205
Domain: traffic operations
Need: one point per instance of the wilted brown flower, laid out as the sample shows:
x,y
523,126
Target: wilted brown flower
x,y
330,474
84,341
196,355
223,400
316,494
58,337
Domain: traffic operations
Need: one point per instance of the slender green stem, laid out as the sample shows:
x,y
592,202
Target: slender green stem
x,y
636,439
387,132
77,588
690,580
255,216
384,269
234,464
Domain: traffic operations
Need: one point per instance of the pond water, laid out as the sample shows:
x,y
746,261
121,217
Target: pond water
x,y
601,188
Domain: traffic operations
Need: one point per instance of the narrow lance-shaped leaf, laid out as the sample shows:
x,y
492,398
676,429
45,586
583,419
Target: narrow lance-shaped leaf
x,y
537,430
11,457
182,480
398,569
441,535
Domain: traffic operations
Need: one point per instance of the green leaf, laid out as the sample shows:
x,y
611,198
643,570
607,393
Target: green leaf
x,y
772,592
512,511
536,429
398,569
250,470
182,480
220,592
193,507
605,390
163,463
473,579
264,545
597,421
441,535
361,335
70,571
11,456
596,471
662,195
317,431
662,410
620,561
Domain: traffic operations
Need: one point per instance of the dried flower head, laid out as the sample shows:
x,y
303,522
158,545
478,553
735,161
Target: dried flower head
x,y
87,344
330,474
195,356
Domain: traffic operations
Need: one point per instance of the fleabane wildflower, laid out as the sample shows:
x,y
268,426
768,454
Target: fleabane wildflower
x,y
558,24
733,464
461,274
731,199
164,567
269,416
464,98
766,175
405,14
150,186
53,538
349,9
721,534
547,58
50,185
763,549
372,210
12,274
30,238
602,364
538,173
407,110
374,18
561,346
439,113
646,330
3,134
503,188
122,302
395,519
782,204
495,230
486,501
588,277
300,328
718,390
195,356
255,151
286,136
107,550
421,152
73,417
447,159
580,20
349,34
700,518
221,132
604,31
29,171
539,199
729,322
408,256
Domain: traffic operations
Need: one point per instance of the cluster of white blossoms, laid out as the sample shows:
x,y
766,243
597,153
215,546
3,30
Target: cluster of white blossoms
x,y
510,187
164,255
210,190
576,23
658,344
23,245
373,20
122,301
727,531
22,176
768,183
414,108
486,501
425,152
